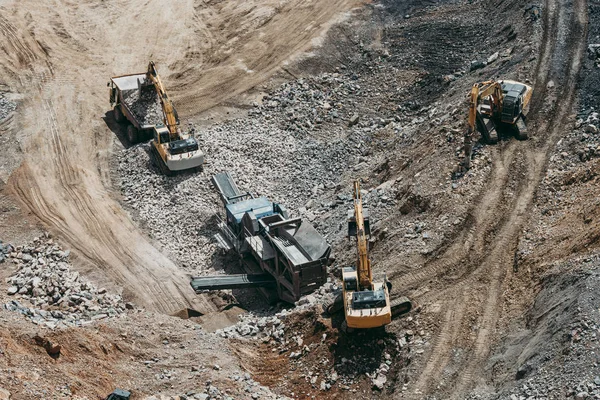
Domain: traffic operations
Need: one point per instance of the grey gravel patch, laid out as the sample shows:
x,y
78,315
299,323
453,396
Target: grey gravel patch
x,y
50,294
6,106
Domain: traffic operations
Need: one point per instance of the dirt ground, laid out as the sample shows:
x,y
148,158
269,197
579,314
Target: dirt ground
x,y
485,257
60,55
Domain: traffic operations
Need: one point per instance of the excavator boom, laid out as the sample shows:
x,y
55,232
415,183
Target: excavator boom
x,y
170,116
363,266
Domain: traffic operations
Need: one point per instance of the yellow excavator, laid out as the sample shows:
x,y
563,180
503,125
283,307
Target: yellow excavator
x,y
366,300
173,150
495,105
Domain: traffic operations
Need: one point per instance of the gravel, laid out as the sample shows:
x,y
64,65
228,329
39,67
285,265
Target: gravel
x,y
146,109
296,149
6,106
48,293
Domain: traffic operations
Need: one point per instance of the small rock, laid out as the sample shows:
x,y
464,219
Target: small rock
x,y
493,57
476,64
379,382
593,51
353,120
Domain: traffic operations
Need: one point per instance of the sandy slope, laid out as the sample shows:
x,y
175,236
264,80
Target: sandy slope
x,y
60,54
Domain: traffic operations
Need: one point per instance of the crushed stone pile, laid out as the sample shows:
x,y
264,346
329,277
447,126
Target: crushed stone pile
x,y
270,326
302,170
48,293
146,108
6,106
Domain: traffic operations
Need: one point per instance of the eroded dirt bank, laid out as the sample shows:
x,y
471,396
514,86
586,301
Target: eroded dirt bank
x,y
472,253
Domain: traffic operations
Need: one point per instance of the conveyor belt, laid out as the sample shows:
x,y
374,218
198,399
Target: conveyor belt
x,y
220,282
227,187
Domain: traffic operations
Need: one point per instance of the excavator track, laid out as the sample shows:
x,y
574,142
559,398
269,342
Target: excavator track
x,y
159,162
335,306
521,129
400,306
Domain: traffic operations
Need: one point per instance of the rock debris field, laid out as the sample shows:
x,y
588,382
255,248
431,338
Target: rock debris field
x,y
49,293
500,262
278,151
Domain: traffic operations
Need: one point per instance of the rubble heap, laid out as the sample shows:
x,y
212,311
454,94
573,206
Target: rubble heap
x,y
145,108
49,293
267,326
6,107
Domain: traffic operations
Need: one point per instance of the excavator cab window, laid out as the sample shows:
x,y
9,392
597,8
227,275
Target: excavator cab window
x,y
368,299
164,137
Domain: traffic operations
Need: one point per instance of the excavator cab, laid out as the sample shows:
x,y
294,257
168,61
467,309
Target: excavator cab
x,y
350,279
368,299
161,134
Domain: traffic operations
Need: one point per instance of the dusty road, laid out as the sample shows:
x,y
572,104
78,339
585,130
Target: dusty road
x,y
474,271
60,54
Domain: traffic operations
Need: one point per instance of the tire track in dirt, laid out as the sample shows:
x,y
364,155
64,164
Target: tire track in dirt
x,y
472,238
62,180
445,340
493,267
500,260
288,31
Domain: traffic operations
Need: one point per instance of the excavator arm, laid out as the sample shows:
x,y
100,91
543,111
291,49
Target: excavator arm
x,y
479,91
365,278
170,116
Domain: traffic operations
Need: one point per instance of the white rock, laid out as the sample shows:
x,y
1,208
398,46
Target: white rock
x,y
4,394
493,57
380,381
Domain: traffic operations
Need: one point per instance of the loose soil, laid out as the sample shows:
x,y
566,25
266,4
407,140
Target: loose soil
x,y
483,256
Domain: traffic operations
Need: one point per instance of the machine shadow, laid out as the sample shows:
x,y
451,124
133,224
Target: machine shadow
x,y
228,261
118,129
